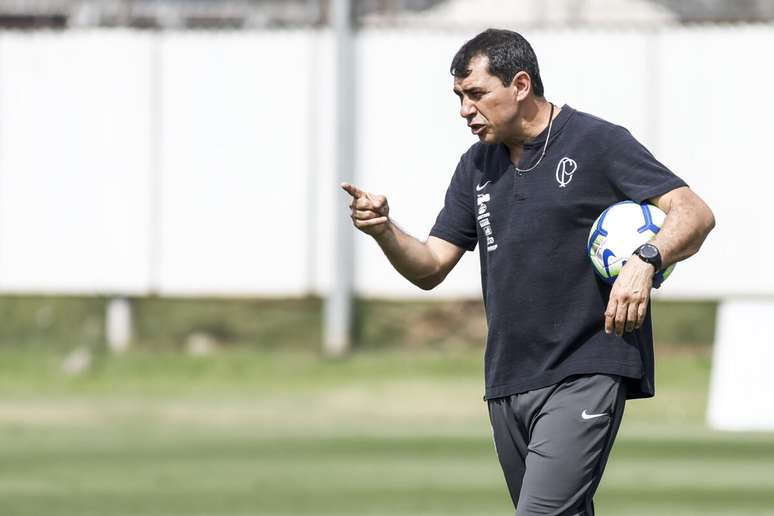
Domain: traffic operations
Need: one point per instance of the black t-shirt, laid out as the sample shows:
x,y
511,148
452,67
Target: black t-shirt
x,y
544,304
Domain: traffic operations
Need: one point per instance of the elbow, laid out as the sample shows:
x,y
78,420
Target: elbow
x,y
428,283
710,220
704,228
702,213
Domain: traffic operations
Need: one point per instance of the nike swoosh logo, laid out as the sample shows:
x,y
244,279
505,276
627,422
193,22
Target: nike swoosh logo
x,y
481,187
586,415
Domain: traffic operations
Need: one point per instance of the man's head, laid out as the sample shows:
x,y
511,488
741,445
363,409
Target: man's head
x,y
508,53
493,74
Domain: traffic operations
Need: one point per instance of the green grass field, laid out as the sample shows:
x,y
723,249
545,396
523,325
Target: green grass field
x,y
396,432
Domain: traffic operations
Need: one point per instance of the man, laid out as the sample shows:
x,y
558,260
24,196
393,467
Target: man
x,y
564,351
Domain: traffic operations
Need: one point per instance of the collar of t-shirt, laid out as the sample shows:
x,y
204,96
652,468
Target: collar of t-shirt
x,y
556,128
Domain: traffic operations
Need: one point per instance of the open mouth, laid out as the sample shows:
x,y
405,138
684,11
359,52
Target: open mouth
x,y
477,129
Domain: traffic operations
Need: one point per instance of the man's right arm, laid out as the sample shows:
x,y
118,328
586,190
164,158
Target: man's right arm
x,y
425,264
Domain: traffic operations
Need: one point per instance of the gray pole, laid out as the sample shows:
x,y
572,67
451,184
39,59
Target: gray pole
x,y
156,134
337,333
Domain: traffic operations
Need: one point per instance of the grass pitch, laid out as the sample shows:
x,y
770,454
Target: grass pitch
x,y
380,433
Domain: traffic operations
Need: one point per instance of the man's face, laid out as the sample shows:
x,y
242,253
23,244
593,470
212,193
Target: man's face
x,y
488,107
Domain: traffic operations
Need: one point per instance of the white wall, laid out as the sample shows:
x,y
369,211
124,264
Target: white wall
x,y
202,163
234,163
74,161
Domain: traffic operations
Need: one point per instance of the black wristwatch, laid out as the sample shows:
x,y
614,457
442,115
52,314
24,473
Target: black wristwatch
x,y
649,253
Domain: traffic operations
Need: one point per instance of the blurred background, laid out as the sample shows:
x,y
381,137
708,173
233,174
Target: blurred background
x,y
190,325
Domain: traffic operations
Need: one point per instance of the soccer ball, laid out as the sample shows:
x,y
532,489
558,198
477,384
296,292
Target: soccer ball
x,y
618,232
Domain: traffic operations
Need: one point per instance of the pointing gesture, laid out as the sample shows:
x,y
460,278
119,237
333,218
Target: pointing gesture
x,y
370,212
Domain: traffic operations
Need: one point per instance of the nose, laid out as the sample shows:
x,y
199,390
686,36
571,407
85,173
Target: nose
x,y
467,109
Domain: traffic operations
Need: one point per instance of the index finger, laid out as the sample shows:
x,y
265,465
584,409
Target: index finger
x,y
352,190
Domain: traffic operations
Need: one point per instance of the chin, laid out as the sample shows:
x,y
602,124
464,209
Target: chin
x,y
487,137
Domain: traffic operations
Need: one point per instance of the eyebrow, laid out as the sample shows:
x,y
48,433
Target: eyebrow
x,y
468,91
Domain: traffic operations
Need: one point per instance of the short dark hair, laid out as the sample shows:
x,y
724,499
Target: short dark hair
x,y
508,53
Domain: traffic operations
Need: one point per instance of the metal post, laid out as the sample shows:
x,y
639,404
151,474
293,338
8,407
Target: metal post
x,y
156,180
337,333
118,324
313,164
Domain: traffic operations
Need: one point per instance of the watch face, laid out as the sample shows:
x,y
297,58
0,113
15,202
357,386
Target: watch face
x,y
648,251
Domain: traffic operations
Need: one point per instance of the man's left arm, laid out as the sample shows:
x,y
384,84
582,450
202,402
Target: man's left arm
x,y
688,222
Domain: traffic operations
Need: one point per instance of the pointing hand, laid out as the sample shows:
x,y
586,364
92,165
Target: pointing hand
x,y
370,212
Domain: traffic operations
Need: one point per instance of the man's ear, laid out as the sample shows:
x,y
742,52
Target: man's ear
x,y
521,85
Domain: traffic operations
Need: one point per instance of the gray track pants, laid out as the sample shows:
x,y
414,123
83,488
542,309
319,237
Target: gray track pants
x,y
553,442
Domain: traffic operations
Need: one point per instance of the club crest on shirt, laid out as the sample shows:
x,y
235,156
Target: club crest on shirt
x,y
564,171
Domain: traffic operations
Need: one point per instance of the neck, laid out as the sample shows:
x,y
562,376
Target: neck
x,y
535,118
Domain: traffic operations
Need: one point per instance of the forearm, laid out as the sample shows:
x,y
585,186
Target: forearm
x,y
413,259
688,222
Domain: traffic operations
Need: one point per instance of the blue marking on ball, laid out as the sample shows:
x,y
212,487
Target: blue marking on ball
x,y
649,225
606,261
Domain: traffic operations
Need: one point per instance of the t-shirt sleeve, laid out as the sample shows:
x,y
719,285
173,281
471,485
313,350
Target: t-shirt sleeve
x,y
456,223
633,170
